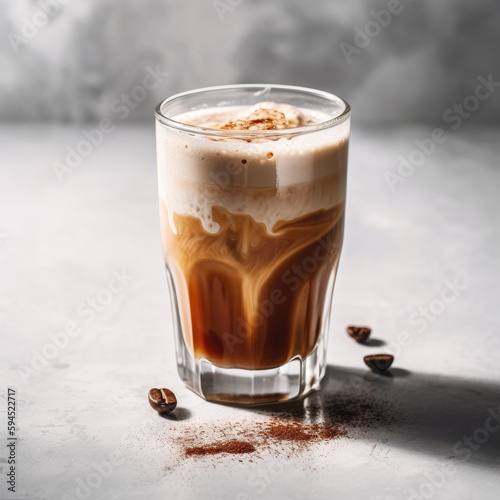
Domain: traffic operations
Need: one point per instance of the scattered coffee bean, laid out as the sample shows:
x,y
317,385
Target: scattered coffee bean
x,y
162,400
379,362
359,333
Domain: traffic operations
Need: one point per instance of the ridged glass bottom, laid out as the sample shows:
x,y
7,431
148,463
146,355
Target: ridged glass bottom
x,y
293,380
242,387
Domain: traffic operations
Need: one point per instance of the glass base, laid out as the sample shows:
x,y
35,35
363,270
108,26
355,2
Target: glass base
x,y
234,386
241,387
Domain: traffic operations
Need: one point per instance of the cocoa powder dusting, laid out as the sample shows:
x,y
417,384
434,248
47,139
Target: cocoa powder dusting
x,y
260,119
296,432
291,428
265,435
233,447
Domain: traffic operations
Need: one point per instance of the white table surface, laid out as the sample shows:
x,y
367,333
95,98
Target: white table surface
x,y
60,242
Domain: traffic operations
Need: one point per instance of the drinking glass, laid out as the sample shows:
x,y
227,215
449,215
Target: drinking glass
x,y
252,224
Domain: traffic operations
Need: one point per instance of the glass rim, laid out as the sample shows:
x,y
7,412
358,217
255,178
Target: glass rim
x,y
199,130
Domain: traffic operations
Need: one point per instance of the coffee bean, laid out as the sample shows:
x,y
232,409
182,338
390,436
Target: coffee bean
x,y
162,400
379,362
359,333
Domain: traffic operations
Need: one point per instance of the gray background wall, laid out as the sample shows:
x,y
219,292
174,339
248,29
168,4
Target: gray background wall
x,y
82,56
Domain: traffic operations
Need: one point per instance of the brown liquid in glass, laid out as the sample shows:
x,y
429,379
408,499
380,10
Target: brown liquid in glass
x,y
249,298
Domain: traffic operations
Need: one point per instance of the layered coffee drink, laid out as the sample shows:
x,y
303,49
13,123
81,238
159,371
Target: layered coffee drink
x,y
252,220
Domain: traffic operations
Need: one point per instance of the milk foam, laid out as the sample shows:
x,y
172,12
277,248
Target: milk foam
x,y
216,117
268,178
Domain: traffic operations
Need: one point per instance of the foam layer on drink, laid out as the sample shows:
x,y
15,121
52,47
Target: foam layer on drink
x,y
256,168
261,116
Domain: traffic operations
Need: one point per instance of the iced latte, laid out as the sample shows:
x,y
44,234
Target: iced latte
x,y
252,201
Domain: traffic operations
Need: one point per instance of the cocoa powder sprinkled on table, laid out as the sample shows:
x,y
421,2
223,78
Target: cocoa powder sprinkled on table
x,y
296,432
288,429
232,446
263,435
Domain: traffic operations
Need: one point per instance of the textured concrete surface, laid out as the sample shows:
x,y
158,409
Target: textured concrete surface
x,y
420,266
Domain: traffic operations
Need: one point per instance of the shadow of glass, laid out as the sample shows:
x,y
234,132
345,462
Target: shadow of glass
x,y
441,416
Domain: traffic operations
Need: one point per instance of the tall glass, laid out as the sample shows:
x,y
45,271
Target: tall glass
x,y
252,225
